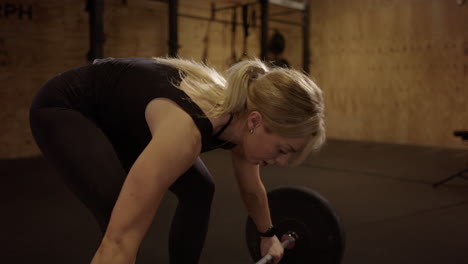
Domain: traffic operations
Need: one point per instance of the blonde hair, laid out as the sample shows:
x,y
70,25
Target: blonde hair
x,y
291,104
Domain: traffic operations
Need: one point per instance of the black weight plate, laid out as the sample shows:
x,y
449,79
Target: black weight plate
x,y
305,212
277,43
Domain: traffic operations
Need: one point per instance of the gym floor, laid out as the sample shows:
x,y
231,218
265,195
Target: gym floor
x,y
383,194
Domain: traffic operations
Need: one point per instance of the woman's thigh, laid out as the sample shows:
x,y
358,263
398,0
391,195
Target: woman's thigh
x,y
82,155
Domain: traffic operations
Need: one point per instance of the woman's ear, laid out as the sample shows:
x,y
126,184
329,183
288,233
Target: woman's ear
x,y
254,120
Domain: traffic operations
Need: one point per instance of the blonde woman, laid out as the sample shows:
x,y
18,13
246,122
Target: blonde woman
x,y
121,132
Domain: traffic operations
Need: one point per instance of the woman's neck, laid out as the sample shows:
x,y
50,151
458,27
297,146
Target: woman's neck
x,y
234,131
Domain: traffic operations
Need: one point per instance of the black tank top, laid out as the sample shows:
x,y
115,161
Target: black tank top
x,y
117,95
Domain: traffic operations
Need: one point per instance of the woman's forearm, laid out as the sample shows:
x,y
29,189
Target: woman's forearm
x,y
257,207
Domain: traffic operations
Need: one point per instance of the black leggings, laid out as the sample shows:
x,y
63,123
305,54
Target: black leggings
x,y
86,160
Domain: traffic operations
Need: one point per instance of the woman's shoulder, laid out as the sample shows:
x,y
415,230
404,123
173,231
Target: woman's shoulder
x,y
164,112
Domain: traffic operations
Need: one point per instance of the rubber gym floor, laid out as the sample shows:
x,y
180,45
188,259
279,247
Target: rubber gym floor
x,y
382,192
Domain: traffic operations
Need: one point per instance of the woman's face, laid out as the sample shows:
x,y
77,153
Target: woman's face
x,y
264,148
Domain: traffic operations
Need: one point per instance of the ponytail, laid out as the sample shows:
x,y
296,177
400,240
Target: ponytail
x,y
239,78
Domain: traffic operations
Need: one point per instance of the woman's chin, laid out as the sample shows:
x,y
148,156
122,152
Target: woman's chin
x,y
260,163
255,162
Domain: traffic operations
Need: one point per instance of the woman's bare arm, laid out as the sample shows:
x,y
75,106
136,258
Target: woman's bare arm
x,y
252,191
173,149
256,201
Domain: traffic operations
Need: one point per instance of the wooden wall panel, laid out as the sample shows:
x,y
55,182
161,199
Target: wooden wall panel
x,y
138,29
392,70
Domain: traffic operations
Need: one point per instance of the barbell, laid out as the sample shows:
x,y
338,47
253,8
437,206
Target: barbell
x,y
310,230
